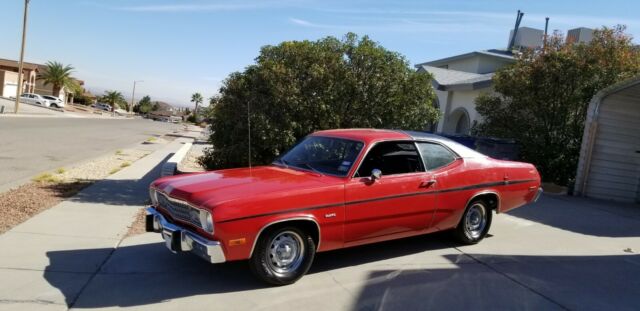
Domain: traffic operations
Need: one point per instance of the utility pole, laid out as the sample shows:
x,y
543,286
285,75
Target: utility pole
x,y
21,65
133,95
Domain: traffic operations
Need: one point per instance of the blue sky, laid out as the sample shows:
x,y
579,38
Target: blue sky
x,y
179,47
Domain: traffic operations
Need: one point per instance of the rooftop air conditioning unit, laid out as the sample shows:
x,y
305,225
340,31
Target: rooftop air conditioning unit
x,y
527,38
580,35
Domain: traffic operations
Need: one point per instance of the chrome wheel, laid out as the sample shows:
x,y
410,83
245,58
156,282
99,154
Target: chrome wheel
x,y
286,252
475,221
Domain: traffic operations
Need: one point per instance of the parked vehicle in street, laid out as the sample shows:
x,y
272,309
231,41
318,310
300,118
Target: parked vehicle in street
x,y
337,189
55,102
101,106
35,99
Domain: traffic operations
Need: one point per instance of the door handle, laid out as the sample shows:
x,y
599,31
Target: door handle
x,y
428,183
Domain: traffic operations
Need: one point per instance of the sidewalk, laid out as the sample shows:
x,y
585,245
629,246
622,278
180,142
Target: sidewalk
x,y
97,219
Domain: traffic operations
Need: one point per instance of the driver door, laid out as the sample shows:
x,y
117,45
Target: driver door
x,y
398,203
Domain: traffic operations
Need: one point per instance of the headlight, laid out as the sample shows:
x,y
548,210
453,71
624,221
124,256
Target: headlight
x,y
153,194
206,221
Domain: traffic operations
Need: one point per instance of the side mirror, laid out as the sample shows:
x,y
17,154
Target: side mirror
x,y
376,174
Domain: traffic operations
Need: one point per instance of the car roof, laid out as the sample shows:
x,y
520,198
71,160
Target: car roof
x,y
373,135
365,135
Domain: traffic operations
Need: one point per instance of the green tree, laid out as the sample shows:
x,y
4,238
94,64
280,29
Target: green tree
x,y
144,106
59,76
113,98
298,87
542,99
197,99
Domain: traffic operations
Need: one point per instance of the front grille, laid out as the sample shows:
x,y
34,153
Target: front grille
x,y
179,210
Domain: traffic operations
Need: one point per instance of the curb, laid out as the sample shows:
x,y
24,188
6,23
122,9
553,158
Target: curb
x,y
171,166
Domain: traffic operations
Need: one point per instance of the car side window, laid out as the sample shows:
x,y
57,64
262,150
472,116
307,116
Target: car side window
x,y
391,158
435,156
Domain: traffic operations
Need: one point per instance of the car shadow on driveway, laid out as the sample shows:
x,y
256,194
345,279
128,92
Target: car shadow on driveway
x,y
584,216
145,274
142,274
509,283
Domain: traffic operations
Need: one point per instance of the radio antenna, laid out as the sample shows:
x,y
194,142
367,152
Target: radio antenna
x,y
249,131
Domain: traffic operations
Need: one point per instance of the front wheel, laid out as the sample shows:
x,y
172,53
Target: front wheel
x,y
475,223
282,256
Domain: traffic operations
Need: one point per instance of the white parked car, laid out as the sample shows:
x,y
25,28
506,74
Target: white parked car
x,y
55,101
36,99
101,106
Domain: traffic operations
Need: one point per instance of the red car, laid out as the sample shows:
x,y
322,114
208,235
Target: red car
x,y
336,189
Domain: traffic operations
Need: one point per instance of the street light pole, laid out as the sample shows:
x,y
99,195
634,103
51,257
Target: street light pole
x,y
133,95
21,65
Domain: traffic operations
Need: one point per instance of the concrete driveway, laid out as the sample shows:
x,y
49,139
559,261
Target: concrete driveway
x,y
560,253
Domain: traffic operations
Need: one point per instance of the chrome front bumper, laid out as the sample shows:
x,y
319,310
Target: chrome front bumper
x,y
179,239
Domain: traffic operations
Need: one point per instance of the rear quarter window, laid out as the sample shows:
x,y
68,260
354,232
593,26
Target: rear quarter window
x,y
435,156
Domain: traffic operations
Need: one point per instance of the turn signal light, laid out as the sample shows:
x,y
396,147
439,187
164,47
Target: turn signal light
x,y
237,242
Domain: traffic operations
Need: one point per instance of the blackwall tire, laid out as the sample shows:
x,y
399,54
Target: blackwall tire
x,y
474,224
282,256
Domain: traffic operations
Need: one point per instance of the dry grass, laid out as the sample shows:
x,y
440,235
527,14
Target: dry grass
x,y
118,152
46,178
113,171
124,164
138,225
151,139
61,170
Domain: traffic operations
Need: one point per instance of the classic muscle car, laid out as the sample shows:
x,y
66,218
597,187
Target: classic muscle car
x,y
336,189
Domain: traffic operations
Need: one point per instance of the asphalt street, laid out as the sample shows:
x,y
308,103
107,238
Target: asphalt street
x,y
29,146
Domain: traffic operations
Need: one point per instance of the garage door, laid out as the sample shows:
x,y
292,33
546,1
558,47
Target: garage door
x,y
615,165
9,90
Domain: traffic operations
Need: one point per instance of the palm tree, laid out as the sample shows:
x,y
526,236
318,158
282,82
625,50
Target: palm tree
x,y
196,98
59,76
113,98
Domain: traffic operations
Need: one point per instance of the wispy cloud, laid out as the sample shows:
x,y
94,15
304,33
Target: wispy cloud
x,y
226,5
453,16
404,25
191,7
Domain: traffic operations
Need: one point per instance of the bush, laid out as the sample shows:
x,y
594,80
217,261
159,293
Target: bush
x,y
299,87
542,99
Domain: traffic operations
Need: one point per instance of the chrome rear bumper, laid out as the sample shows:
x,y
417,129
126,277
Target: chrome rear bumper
x,y
538,194
179,239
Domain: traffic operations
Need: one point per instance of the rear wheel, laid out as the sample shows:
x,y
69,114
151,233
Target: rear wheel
x,y
475,223
282,256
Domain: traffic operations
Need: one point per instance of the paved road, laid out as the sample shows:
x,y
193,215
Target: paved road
x,y
29,146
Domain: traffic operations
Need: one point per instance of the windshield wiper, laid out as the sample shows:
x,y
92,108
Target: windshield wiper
x,y
307,165
283,162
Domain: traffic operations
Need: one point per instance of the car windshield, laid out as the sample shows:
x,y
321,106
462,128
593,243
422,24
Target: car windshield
x,y
325,155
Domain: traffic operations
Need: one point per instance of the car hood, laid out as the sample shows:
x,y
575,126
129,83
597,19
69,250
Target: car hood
x,y
215,188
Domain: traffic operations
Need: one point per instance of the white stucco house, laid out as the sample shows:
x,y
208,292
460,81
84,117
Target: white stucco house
x,y
458,80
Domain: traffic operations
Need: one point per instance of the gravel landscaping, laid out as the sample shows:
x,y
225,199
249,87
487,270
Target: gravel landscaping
x,y
49,188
